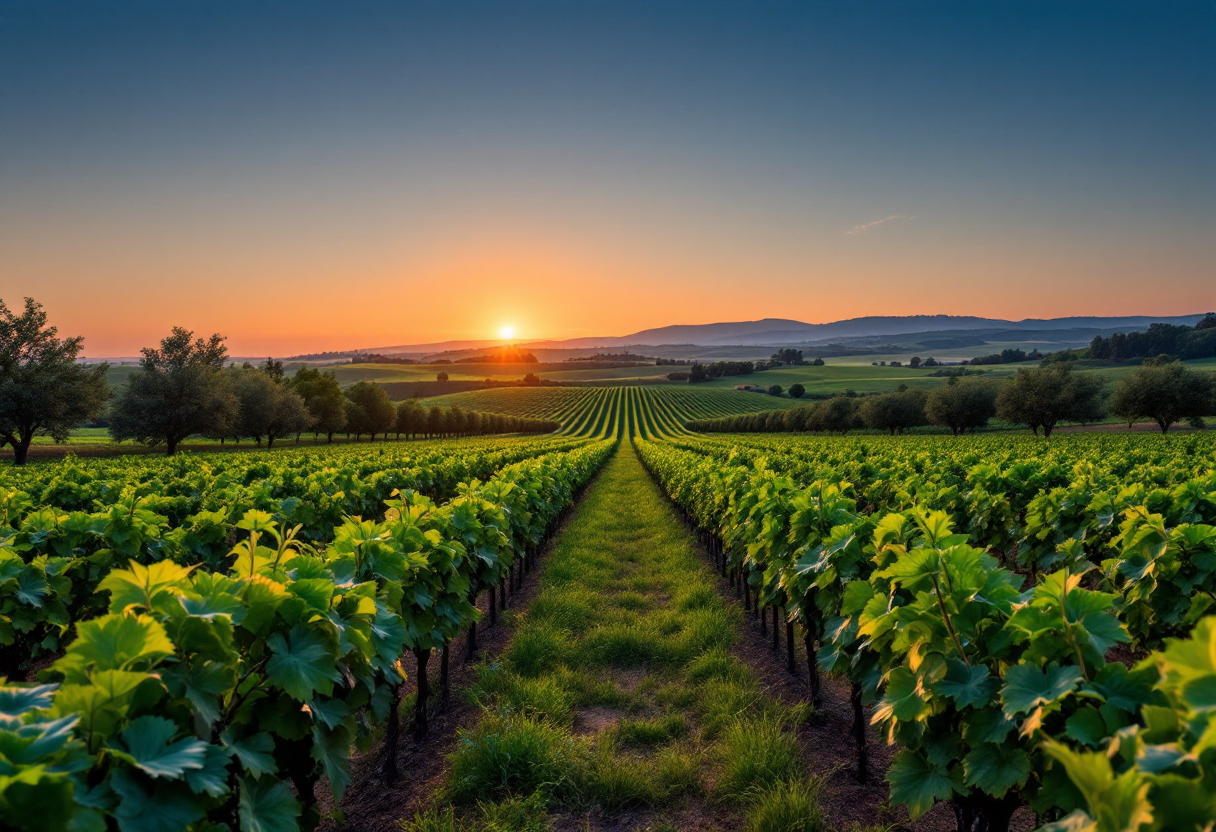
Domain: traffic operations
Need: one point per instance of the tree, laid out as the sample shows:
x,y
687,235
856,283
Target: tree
x,y
323,397
442,377
356,419
1164,392
895,412
1042,397
531,379
434,421
273,368
378,414
818,362
797,391
176,392
410,418
43,391
266,408
775,390
915,362
961,406
836,415
697,374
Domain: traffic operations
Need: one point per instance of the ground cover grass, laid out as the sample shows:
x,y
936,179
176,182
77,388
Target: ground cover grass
x,y
618,701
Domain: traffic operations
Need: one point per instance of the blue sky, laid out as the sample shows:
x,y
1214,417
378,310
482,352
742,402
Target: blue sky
x,y
473,163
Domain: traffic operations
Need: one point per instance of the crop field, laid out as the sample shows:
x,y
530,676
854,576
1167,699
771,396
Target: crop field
x,y
758,631
649,412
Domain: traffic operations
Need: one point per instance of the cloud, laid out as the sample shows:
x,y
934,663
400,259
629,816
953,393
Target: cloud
x,y
862,229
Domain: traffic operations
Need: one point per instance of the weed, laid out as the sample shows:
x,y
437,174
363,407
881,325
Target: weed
x,y
511,754
789,806
759,753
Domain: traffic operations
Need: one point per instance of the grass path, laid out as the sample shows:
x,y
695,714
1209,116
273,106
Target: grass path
x,y
618,704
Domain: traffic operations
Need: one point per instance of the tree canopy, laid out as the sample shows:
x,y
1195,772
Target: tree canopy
x,y
1164,391
175,392
1042,397
961,406
43,391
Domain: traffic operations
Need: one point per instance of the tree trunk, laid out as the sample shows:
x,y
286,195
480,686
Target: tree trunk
x,y
859,731
776,629
983,813
391,733
170,446
21,449
269,442
812,660
493,607
445,684
791,665
472,634
424,692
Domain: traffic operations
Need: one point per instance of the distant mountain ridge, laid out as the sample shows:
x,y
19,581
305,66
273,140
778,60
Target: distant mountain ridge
x,y
786,332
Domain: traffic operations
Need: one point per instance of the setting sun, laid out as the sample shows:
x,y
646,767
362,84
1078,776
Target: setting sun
x,y
506,333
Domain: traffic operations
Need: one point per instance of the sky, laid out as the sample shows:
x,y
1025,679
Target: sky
x,y
304,176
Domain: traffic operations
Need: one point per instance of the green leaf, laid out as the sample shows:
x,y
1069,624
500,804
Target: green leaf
x,y
1086,727
267,805
212,778
255,753
302,664
147,745
916,783
15,700
157,806
967,686
904,699
140,587
996,768
1027,687
114,642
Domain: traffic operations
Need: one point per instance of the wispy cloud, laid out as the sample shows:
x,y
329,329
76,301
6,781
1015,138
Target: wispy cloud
x,y
864,227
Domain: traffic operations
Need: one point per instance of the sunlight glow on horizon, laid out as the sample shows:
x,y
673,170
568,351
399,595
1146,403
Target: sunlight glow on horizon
x,y
506,332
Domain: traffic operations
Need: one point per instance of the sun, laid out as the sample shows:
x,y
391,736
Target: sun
x,y
506,332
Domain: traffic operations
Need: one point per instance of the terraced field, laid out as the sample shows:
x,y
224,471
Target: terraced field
x,y
648,412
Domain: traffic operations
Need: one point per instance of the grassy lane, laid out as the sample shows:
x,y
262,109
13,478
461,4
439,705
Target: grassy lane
x,y
618,704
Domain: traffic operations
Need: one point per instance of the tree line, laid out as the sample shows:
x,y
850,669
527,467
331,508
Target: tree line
x,y
1162,390
183,388
1198,341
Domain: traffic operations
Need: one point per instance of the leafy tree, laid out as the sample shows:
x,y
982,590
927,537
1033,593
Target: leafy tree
x,y
356,419
895,412
176,392
378,414
915,362
836,415
531,379
1044,396
273,368
797,391
818,362
266,408
434,421
323,397
775,390
43,391
411,418
441,377
1164,392
697,374
961,406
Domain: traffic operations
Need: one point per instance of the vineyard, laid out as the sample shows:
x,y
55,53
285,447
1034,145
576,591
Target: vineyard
x,y
648,412
1022,629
